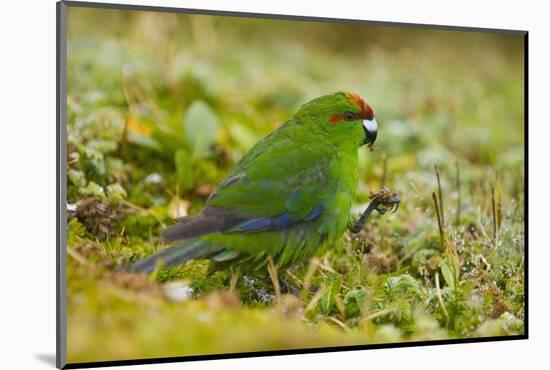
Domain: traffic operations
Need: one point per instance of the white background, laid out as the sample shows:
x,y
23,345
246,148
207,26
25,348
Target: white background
x,y
27,182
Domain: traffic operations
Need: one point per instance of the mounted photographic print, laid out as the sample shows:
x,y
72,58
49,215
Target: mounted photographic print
x,y
236,184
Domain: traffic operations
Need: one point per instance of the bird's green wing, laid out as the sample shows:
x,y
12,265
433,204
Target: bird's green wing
x,y
281,176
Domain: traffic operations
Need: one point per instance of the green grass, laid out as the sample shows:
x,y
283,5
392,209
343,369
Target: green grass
x,y
161,106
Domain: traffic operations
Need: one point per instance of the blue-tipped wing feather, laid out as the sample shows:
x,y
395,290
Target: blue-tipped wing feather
x,y
275,223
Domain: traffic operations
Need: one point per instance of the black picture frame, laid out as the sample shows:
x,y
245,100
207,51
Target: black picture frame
x,y
61,188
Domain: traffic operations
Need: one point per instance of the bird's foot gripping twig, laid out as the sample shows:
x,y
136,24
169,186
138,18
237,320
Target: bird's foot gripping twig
x,y
383,201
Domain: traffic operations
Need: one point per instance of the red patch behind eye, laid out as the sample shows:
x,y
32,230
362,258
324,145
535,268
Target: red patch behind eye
x,y
335,119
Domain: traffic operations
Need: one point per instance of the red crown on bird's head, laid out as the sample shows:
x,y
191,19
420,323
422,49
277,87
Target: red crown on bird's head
x,y
366,110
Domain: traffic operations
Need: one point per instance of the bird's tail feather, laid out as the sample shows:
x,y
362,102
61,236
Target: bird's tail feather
x,y
178,254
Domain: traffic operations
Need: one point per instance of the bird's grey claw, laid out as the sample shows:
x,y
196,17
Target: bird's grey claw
x,y
396,207
389,204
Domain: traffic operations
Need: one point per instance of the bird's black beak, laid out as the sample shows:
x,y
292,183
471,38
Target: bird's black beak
x,y
371,131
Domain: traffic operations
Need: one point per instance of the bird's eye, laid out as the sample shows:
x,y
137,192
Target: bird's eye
x,y
348,116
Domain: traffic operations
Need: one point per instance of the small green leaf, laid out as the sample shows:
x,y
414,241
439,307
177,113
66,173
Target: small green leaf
x,y
447,274
77,178
354,302
93,189
328,299
115,192
102,146
184,169
456,267
201,128
96,159
402,285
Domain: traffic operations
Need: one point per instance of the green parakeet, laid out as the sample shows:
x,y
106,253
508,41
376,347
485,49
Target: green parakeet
x,y
287,197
